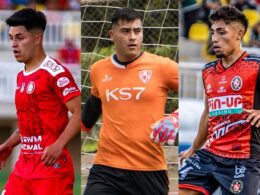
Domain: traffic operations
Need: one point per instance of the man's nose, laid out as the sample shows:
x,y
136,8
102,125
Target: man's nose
x,y
214,38
132,35
14,43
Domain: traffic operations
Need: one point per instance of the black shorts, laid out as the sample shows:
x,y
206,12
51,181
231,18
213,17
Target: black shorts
x,y
205,172
104,180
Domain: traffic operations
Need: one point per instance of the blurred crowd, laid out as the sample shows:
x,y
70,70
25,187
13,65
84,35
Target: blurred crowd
x,y
197,12
41,4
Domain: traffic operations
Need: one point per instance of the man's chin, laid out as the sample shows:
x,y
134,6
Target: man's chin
x,y
220,55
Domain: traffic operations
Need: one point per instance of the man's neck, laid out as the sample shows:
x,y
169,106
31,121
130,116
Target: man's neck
x,y
227,61
35,61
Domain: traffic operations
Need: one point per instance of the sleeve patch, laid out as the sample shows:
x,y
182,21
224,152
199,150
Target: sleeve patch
x,y
63,81
53,68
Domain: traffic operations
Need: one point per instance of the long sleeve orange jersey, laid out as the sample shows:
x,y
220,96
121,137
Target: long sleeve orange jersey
x,y
133,97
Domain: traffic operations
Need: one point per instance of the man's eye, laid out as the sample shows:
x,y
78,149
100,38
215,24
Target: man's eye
x,y
137,30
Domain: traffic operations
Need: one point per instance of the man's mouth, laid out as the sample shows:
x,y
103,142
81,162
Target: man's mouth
x,y
16,53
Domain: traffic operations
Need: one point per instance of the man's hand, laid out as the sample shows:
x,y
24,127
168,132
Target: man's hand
x,y
51,154
165,130
186,154
253,117
4,154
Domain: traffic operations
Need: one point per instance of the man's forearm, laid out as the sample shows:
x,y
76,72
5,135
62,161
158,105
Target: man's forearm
x,y
202,132
73,127
14,139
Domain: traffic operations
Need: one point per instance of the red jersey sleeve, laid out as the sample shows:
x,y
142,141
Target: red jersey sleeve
x,y
64,86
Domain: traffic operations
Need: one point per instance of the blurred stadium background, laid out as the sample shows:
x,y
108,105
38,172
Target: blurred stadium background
x,y
63,26
160,37
194,35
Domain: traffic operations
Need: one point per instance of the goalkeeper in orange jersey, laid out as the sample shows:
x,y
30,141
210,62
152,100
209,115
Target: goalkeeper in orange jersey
x,y
130,89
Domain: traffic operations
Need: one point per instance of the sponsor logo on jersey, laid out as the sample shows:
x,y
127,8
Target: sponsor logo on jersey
x,y
223,105
223,80
209,88
63,81
30,87
239,171
106,78
223,129
221,89
125,93
31,143
236,83
52,67
236,186
22,88
66,91
145,75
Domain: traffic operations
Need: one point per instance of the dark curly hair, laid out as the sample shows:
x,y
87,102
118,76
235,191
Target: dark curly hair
x,y
126,14
229,14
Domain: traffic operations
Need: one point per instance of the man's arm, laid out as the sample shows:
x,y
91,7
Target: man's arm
x,y
201,136
53,151
7,147
91,112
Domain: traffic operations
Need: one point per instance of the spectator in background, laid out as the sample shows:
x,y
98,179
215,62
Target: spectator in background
x,y
207,7
69,53
255,36
5,4
190,10
74,4
244,4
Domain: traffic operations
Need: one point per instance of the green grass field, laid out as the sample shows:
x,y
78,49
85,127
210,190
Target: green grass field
x,y
4,175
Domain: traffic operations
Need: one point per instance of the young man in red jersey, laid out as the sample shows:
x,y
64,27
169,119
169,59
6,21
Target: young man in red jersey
x,y
130,89
45,92
229,125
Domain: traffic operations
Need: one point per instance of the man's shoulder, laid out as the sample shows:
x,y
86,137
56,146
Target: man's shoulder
x,y
255,58
210,64
156,57
101,63
52,67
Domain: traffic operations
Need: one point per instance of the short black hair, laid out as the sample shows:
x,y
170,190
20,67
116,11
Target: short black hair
x,y
229,14
29,18
126,14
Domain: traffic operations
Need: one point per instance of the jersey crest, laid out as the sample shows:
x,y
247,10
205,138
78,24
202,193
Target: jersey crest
x,y
145,75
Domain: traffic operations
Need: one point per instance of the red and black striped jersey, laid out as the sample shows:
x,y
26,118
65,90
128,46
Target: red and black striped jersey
x,y
229,91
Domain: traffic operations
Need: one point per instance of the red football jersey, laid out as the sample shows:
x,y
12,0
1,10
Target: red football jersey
x,y
229,91
42,116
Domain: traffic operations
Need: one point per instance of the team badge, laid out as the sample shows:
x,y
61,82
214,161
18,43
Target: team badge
x,y
145,75
236,83
63,81
56,165
30,87
236,186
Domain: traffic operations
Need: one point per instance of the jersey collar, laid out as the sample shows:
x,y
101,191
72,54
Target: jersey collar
x,y
33,71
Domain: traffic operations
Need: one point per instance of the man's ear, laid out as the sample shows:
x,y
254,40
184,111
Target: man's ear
x,y
38,38
240,34
111,34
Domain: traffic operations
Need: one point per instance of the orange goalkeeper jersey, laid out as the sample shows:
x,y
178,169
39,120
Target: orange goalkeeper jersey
x,y
133,98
